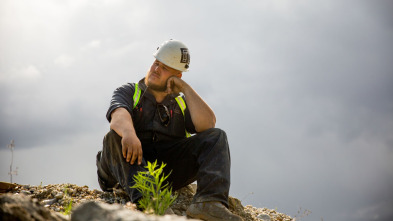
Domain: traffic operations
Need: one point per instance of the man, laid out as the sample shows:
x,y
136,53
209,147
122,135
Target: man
x,y
150,121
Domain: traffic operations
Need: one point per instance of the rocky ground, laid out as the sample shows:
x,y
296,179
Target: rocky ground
x,y
64,199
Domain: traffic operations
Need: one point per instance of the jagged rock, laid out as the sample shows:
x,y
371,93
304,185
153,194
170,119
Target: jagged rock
x,y
49,202
264,217
7,187
98,211
21,207
57,197
183,200
235,206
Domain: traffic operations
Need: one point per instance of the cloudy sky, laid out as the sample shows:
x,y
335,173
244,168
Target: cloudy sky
x,y
303,89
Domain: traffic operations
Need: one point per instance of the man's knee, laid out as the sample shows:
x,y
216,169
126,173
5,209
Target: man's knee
x,y
112,135
112,141
214,133
213,138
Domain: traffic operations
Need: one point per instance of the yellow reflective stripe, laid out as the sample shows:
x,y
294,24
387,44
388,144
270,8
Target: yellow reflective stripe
x,y
182,105
137,95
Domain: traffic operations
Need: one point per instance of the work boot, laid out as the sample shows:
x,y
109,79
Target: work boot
x,y
211,211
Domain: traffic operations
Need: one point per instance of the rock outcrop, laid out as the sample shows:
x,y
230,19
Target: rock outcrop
x,y
52,202
21,207
99,211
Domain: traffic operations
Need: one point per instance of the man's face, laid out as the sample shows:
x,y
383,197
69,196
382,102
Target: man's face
x,y
158,75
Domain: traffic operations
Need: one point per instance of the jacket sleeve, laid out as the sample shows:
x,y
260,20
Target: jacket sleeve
x,y
122,97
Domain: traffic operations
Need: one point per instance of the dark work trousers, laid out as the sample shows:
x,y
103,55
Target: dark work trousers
x,y
204,158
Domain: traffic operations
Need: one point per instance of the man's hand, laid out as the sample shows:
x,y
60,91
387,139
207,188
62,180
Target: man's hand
x,y
175,85
122,124
131,148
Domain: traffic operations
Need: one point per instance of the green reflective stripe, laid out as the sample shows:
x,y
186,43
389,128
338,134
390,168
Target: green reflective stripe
x,y
182,105
137,95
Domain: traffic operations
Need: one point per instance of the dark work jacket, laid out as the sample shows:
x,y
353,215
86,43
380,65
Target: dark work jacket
x,y
147,123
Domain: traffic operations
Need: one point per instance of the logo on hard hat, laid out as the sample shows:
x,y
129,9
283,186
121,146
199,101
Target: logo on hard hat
x,y
185,56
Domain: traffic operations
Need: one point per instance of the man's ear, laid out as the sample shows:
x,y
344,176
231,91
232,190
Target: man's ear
x,y
179,75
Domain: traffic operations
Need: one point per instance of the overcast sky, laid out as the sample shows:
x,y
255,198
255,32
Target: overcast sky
x,y
304,90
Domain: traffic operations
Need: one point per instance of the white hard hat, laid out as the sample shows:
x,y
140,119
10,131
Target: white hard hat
x,y
174,54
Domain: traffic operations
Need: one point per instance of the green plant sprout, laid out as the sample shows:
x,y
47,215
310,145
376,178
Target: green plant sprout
x,y
156,193
67,205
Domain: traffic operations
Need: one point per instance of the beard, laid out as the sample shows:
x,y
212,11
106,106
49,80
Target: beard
x,y
155,87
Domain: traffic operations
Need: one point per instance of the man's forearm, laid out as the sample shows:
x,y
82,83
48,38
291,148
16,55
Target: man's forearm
x,y
122,122
202,115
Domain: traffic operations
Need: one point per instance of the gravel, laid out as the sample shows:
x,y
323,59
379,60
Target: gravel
x,y
58,197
